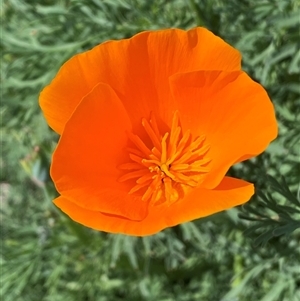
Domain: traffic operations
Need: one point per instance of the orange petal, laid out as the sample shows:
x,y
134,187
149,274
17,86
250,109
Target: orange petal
x,y
116,63
175,51
234,112
138,70
199,203
84,167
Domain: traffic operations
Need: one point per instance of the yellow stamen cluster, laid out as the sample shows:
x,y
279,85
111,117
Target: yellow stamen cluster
x,y
175,162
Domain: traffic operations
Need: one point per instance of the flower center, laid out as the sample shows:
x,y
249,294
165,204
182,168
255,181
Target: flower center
x,y
174,165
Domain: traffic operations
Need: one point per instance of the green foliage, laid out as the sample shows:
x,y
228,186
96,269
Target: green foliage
x,y
46,256
284,205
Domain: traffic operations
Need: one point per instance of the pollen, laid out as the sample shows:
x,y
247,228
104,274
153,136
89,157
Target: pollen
x,y
174,164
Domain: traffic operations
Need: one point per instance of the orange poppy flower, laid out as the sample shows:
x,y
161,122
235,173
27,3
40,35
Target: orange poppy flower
x,y
149,127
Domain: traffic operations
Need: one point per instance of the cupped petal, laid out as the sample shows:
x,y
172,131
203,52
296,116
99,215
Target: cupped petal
x,y
231,110
175,51
85,163
121,64
138,70
199,203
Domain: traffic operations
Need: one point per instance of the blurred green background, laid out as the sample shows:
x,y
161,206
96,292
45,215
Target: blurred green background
x,y
244,254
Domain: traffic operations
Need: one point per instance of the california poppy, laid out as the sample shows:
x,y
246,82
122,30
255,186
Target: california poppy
x,y
149,127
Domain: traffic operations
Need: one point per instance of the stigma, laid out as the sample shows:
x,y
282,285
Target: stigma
x,y
165,171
